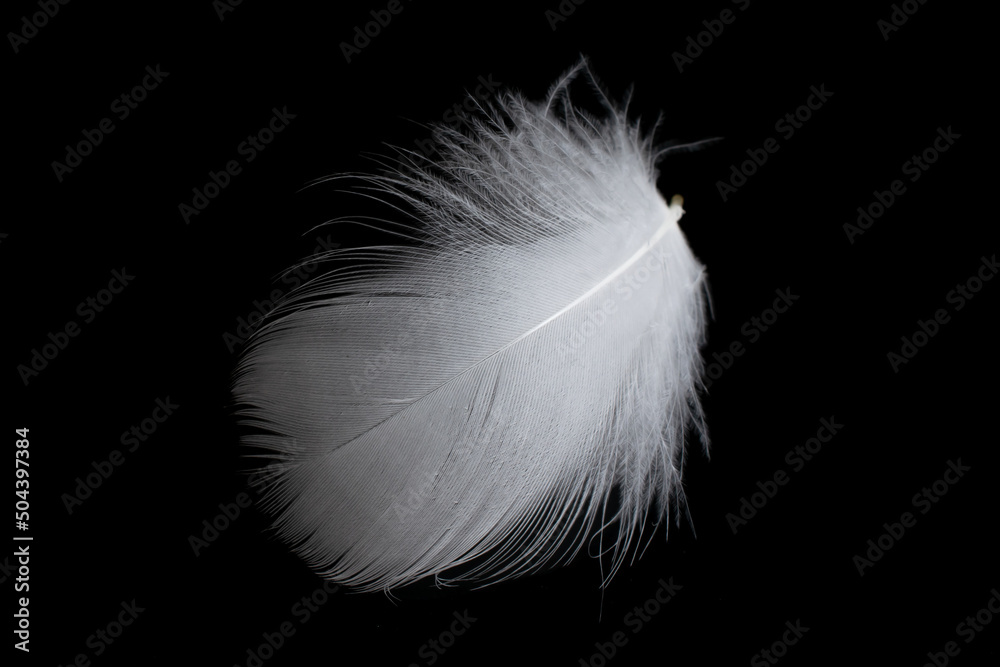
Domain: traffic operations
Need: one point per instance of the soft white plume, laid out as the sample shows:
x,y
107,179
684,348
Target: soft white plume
x,y
478,405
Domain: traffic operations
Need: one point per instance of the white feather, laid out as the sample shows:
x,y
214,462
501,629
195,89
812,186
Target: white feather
x,y
477,406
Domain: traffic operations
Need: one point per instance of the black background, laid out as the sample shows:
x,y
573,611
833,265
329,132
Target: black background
x,y
825,358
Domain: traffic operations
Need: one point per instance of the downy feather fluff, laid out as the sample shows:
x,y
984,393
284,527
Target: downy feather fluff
x,y
483,403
